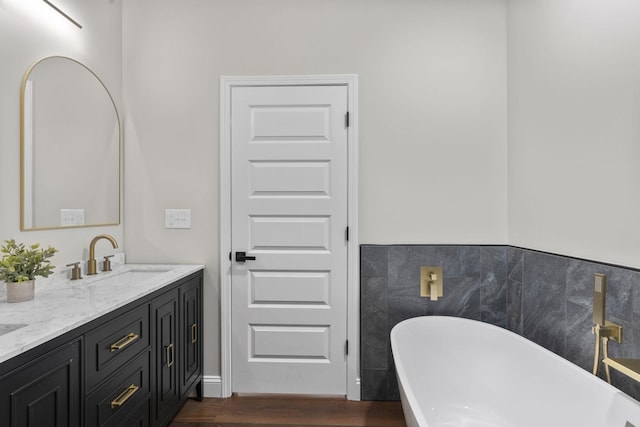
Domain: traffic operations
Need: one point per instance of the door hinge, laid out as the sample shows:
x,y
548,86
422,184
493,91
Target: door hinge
x,y
346,234
346,347
346,119
229,256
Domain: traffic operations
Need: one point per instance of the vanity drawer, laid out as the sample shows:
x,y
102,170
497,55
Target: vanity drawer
x,y
141,416
123,397
114,343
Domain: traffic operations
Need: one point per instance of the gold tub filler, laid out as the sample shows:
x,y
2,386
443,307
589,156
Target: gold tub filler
x,y
604,331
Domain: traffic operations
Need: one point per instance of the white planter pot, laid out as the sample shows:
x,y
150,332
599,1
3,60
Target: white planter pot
x,y
18,292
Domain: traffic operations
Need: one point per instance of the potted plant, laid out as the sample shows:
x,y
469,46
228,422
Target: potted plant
x,y
19,267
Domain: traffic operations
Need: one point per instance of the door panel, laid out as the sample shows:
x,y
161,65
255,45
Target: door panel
x,y
289,210
302,122
293,342
290,287
289,233
301,179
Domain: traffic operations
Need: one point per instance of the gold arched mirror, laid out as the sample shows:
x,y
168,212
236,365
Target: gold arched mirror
x,y
69,148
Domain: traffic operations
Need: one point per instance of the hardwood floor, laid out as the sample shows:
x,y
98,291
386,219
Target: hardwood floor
x,y
252,411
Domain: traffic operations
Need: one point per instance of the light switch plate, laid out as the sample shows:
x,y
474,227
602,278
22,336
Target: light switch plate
x,y
70,217
177,218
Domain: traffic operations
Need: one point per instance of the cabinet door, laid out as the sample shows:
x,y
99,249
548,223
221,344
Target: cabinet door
x,y
44,392
191,328
165,310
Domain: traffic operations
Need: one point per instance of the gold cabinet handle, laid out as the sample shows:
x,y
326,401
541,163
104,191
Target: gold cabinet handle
x,y
169,355
124,341
194,333
124,396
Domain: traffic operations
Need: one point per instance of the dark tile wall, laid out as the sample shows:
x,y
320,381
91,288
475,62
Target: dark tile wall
x,y
546,298
474,287
550,301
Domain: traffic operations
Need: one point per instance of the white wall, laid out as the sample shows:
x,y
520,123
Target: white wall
x,y
29,31
432,115
574,128
433,118
433,154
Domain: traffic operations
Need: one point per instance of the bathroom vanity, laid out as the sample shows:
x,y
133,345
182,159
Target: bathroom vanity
x,y
122,349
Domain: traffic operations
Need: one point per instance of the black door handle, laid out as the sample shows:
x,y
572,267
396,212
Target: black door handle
x,y
242,257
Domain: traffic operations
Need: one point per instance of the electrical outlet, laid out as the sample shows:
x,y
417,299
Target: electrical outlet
x,y
177,218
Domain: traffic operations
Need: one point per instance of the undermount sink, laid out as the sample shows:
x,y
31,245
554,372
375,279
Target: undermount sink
x,y
6,328
128,277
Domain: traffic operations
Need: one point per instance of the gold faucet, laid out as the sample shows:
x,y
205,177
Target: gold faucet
x,y
92,251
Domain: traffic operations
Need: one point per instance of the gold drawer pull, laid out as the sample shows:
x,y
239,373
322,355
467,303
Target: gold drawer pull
x,y
169,355
124,396
194,333
123,342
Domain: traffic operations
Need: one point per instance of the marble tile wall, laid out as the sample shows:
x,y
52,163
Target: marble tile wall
x,y
544,297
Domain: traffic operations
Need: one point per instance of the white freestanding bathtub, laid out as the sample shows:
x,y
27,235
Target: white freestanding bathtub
x,y
463,373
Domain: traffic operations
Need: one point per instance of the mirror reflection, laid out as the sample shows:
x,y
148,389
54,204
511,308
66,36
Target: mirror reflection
x,y
70,147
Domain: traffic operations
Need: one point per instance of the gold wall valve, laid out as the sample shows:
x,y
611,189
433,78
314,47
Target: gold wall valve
x,y
431,282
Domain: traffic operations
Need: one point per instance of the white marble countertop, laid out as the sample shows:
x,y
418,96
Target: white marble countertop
x,y
63,305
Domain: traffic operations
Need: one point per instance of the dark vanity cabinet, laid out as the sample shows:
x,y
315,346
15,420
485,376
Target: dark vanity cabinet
x,y
44,390
191,338
133,367
117,368
165,317
177,316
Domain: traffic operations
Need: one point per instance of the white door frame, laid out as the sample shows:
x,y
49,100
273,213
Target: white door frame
x,y
353,257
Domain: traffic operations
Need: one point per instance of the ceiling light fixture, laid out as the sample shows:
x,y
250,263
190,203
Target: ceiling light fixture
x,y
61,12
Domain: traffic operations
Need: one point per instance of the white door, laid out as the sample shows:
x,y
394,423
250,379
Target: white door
x,y
289,212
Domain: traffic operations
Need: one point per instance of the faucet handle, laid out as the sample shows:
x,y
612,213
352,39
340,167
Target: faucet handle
x,y
106,264
76,273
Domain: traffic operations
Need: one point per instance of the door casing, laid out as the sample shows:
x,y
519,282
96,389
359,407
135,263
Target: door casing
x,y
353,257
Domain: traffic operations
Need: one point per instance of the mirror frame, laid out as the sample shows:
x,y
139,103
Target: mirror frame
x,y
22,150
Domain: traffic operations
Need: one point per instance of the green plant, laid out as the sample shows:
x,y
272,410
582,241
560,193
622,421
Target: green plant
x,y
20,263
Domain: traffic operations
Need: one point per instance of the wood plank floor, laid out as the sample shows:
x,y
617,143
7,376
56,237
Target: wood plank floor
x,y
252,411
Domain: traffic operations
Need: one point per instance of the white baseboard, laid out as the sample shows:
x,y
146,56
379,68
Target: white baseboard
x,y
212,386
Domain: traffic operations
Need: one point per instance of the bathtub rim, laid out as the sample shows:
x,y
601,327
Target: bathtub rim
x,y
404,383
